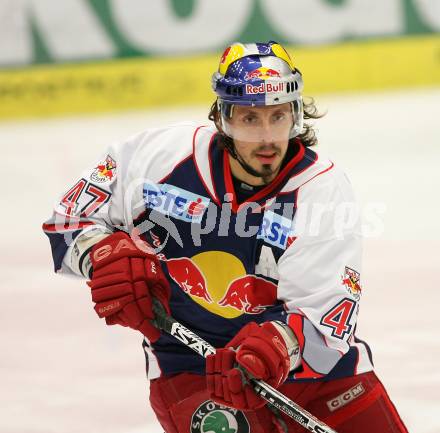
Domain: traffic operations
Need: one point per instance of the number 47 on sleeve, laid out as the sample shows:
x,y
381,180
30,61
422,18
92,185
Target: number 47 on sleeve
x,y
338,318
84,199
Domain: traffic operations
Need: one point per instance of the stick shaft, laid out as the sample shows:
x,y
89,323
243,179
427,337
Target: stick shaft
x,y
271,395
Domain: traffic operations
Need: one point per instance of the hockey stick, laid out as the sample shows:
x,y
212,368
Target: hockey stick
x,y
271,395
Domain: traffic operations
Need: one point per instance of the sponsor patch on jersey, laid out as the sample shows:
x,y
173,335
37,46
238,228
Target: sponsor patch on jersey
x,y
346,397
175,202
276,230
211,417
351,281
104,171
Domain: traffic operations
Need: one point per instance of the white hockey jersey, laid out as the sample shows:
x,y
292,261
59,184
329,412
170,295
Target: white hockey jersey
x,y
290,252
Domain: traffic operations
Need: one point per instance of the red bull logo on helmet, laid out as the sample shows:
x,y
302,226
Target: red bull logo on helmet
x,y
262,74
230,55
264,88
225,290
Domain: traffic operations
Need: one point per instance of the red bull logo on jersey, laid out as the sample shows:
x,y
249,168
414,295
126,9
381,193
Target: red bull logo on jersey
x,y
276,230
264,88
250,294
175,202
225,290
104,171
189,277
351,281
262,74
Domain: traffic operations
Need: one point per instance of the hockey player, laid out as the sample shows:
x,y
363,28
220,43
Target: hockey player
x,y
248,238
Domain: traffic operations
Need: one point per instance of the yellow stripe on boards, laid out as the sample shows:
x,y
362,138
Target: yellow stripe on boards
x,y
371,65
53,90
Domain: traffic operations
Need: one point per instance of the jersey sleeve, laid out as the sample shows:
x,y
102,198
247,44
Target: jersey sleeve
x,y
320,272
108,196
92,204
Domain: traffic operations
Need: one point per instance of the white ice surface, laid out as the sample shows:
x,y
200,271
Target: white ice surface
x,y
63,371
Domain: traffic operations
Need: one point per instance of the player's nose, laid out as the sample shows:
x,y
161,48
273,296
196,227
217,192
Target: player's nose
x,y
267,133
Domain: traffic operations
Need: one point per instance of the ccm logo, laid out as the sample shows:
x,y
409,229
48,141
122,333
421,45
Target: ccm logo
x,y
104,251
346,397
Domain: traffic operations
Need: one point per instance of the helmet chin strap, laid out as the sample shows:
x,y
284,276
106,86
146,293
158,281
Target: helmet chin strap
x,y
229,145
246,167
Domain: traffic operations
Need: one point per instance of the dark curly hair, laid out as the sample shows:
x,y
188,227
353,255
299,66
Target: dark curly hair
x,y
308,137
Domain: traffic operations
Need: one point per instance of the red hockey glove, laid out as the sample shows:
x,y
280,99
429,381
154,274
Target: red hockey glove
x,y
261,352
123,283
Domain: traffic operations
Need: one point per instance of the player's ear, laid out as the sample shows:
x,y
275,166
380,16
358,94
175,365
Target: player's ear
x,y
214,115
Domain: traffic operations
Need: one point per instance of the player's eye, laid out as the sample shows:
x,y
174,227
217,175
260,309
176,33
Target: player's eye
x,y
277,117
250,119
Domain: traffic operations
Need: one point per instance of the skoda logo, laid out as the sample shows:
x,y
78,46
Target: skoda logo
x,y
210,417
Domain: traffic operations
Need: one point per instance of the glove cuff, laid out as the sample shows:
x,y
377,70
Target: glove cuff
x,y
80,262
291,343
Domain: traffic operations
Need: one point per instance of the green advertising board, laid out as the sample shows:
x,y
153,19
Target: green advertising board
x,y
47,31
93,55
